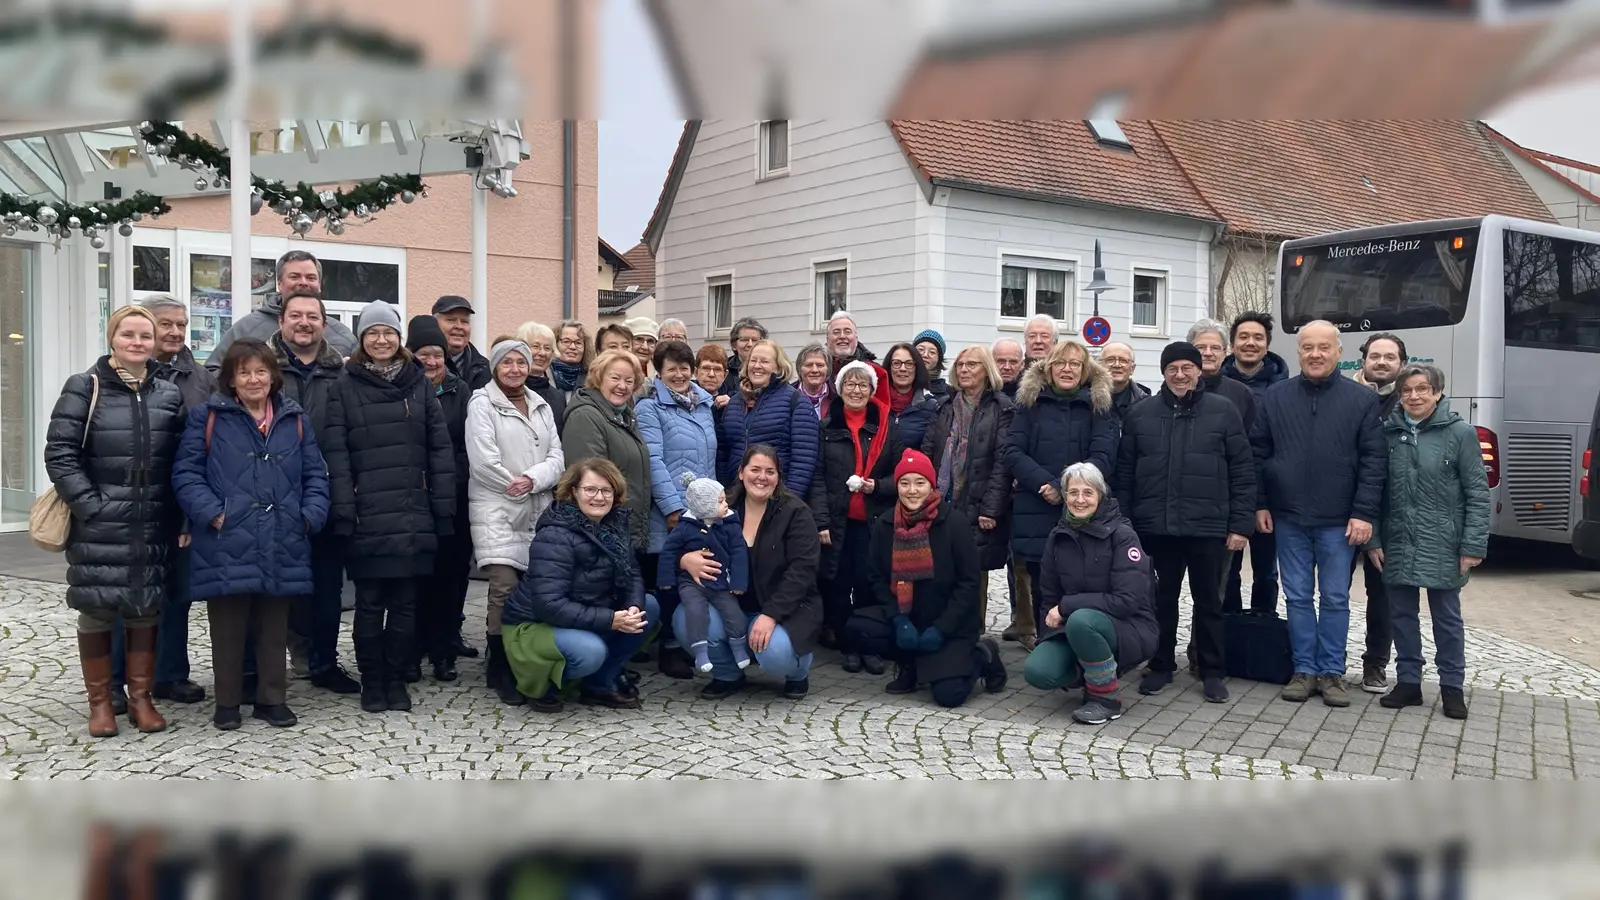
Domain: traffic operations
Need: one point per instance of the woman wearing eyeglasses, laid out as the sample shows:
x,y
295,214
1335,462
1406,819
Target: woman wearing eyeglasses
x,y
909,401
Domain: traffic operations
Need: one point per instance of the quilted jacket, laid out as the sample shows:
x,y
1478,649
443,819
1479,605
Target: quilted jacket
x,y
680,442
1047,435
571,580
271,491
119,486
503,444
782,418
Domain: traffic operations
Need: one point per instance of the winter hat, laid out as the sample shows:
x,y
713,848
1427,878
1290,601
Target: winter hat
x,y
701,497
379,313
853,366
932,337
1178,351
424,331
499,351
643,327
914,462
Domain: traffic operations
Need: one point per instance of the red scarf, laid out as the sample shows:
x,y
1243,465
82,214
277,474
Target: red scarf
x,y
898,402
911,559
854,421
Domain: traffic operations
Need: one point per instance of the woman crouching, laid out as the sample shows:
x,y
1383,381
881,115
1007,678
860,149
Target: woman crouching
x,y
1096,586
925,606
580,611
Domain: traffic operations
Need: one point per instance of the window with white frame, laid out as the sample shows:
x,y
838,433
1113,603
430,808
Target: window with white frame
x,y
719,303
1028,288
774,148
1149,302
831,291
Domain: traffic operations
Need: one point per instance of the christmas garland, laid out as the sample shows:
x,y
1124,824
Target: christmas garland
x,y
301,206
61,219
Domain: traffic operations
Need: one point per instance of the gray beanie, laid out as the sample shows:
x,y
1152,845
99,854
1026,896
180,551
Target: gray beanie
x,y
378,313
499,351
701,498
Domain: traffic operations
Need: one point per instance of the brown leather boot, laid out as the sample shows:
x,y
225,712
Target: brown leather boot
x,y
141,645
94,654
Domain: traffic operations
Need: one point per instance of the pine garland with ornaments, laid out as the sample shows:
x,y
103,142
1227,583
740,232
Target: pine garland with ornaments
x,y
301,206
60,220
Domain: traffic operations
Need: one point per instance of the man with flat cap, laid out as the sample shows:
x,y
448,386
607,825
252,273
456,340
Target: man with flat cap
x,y
454,315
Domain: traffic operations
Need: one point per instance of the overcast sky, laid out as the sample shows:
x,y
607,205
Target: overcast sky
x,y
639,127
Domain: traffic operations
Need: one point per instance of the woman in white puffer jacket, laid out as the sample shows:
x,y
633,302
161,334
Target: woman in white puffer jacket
x,y
515,454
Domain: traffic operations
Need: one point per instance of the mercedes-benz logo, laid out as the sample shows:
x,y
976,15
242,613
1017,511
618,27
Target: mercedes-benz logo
x,y
1366,324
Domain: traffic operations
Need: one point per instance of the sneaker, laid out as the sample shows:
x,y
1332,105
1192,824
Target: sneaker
x,y
905,680
1098,711
1373,679
1404,694
851,663
1454,701
184,691
1334,693
1216,689
278,716
397,697
1300,688
227,718
796,689
374,699
994,671
718,690
1154,683
336,680
872,665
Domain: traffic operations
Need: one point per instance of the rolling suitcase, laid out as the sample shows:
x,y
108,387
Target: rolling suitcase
x,y
1256,647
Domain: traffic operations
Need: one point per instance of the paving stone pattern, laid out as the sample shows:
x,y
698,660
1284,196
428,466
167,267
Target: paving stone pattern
x,y
1533,715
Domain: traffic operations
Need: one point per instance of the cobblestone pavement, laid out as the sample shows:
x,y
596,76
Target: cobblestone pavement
x,y
1533,714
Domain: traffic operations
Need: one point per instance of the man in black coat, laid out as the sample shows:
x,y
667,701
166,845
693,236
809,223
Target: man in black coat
x,y
1256,367
1185,476
1382,358
1211,339
1322,462
454,315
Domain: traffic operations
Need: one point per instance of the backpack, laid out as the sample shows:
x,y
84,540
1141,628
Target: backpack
x,y
211,424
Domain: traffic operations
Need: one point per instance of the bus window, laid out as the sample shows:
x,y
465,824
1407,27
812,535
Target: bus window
x,y
1552,292
1386,284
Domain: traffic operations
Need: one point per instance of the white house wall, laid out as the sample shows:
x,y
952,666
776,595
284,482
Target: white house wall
x,y
849,194
979,229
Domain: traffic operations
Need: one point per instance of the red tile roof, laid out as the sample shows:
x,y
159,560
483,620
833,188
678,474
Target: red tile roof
x,y
641,271
1055,160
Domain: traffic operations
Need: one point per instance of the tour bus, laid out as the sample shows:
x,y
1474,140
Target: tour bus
x,y
1508,308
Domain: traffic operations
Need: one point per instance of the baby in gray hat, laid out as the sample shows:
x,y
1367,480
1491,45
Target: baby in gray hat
x,y
709,525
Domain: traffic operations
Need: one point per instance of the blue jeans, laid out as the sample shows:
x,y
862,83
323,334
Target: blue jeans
x,y
778,659
597,659
1449,635
1309,559
172,631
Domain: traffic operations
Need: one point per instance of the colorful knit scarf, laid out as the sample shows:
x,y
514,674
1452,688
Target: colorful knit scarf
x,y
911,559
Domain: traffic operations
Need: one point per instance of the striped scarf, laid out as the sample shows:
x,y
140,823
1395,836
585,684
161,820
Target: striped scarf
x,y
388,371
911,559
128,378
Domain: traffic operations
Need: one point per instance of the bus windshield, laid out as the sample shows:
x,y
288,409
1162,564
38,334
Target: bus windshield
x,y
1381,284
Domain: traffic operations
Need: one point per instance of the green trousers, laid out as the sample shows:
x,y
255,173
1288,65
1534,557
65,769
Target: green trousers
x,y
1055,663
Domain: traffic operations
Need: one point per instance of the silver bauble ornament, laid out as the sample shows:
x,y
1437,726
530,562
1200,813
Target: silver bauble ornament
x,y
137,216
302,224
200,183
97,242
125,230
74,222
10,229
336,228
408,196
48,215
296,201
255,204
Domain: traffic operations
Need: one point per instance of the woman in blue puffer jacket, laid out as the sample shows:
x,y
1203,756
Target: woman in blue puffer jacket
x,y
769,410
581,604
252,483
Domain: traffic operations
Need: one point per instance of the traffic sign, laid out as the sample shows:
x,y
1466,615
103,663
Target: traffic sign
x,y
1096,331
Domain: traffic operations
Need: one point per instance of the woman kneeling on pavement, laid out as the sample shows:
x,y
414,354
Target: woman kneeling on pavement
x,y
925,578
254,487
1434,530
580,611
1096,587
782,606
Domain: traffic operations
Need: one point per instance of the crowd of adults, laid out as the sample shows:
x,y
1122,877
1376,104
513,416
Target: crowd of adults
x,y
628,497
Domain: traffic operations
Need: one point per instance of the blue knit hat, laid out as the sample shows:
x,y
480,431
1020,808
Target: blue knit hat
x,y
931,336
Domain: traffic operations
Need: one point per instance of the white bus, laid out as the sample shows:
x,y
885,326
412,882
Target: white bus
x,y
1508,308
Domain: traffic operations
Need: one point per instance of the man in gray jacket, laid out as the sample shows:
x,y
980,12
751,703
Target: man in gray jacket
x,y
296,269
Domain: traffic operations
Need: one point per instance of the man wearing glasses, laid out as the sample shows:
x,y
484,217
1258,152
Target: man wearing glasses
x,y
1117,357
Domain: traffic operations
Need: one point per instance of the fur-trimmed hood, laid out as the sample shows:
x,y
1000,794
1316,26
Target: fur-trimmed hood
x,y
1099,382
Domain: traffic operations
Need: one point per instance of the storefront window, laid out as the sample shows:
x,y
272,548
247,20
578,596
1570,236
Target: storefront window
x,y
211,297
16,366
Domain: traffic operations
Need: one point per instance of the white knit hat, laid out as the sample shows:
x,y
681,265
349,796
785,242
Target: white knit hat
x,y
701,498
855,366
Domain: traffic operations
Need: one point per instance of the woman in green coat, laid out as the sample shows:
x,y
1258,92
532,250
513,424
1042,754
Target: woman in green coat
x,y
1434,529
600,422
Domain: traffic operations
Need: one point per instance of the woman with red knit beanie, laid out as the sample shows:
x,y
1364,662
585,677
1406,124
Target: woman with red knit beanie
x,y
923,612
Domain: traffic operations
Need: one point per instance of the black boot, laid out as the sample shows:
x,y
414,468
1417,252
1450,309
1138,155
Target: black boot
x,y
1405,694
905,679
444,667
374,694
498,673
1454,701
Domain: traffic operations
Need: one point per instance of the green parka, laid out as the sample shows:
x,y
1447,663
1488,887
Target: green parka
x,y
1436,506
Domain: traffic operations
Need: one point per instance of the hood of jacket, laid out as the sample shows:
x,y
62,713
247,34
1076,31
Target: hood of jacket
x,y
1098,387
1273,370
327,357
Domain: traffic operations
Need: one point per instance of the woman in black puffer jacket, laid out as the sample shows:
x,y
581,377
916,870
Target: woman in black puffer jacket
x,y
582,602
391,467
113,435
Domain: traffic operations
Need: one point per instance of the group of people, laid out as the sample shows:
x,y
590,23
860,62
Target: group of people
x,y
623,491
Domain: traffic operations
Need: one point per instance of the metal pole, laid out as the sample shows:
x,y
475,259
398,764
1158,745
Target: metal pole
x,y
239,158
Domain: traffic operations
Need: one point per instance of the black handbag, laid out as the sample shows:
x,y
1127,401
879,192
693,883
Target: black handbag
x,y
1256,647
